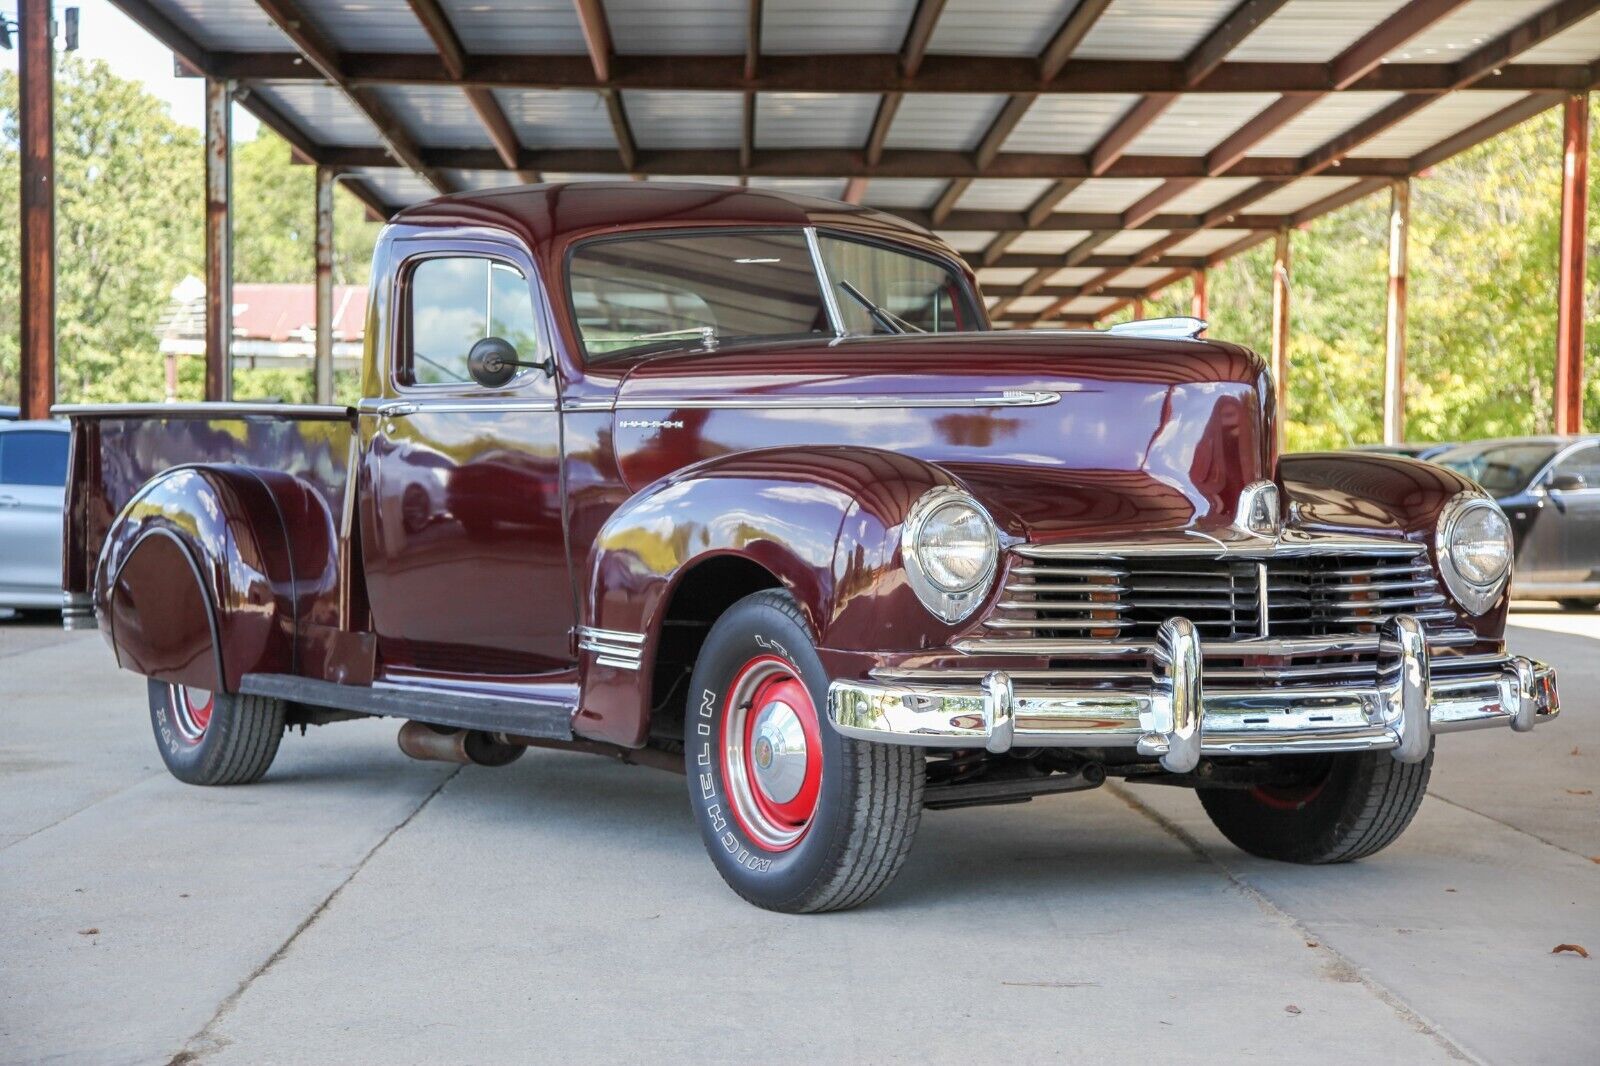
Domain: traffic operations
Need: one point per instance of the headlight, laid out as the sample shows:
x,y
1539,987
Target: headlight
x,y
1474,548
950,548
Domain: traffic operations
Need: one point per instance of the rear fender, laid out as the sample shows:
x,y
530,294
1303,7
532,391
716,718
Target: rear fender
x,y
202,581
823,522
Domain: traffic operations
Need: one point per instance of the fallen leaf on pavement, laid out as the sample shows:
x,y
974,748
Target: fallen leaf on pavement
x,y
1576,949
1052,984
93,931
1311,943
1292,1009
1449,890
1580,791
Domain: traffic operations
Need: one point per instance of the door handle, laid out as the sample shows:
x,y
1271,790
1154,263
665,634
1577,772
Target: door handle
x,y
396,409
10,501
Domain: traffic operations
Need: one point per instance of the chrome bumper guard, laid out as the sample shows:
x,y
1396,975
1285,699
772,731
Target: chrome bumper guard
x,y
1178,720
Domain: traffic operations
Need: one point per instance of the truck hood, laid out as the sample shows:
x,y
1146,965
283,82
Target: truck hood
x,y
1058,434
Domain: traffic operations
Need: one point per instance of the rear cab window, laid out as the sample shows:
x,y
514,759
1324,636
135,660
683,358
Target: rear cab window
x,y
453,303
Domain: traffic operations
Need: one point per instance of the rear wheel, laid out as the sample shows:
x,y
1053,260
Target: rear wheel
x,y
1573,603
795,817
1332,808
214,738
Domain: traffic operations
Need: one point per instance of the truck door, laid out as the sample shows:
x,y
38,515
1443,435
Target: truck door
x,y
462,522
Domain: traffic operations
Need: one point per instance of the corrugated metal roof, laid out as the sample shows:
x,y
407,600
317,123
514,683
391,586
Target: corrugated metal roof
x,y
1068,123
484,180
1198,122
1002,194
1107,194
1073,276
1152,29
982,27
1129,241
1300,193
437,117
1207,241
224,25
903,192
1047,242
1031,304
1087,305
372,26
547,119
1313,31
324,113
814,120
684,119
1580,44
1445,116
827,188
1138,277
397,186
951,121
1204,195
967,240
1004,275
1322,122
681,27
834,26
1465,30
498,28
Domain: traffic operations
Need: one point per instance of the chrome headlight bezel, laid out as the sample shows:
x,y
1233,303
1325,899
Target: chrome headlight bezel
x,y
948,604
1476,596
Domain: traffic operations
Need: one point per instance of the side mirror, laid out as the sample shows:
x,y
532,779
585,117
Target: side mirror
x,y
493,362
1567,483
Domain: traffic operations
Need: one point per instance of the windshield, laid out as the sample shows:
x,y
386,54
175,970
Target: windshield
x,y
651,292
1502,469
635,294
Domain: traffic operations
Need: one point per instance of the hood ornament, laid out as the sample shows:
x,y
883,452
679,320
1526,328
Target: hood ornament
x,y
1258,512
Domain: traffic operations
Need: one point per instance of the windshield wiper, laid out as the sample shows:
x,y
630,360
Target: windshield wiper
x,y
707,335
890,321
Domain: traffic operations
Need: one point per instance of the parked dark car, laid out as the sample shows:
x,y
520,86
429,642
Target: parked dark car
x,y
1549,487
1411,450
742,485
33,478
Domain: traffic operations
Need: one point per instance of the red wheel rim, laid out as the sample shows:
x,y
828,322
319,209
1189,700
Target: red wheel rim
x,y
771,753
191,711
1289,797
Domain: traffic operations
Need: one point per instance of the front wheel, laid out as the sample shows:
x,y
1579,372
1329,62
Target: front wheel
x,y
214,738
1333,808
1573,603
796,817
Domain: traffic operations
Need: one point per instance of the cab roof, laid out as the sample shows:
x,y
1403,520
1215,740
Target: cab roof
x,y
553,212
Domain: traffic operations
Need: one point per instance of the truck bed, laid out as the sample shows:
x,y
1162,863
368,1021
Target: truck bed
x,y
116,448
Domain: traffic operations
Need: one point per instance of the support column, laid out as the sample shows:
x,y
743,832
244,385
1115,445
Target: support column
x,y
1394,359
1280,328
219,240
1569,291
324,358
1200,303
1138,310
36,75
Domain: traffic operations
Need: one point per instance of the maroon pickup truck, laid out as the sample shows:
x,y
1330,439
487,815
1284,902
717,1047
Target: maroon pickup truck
x,y
742,485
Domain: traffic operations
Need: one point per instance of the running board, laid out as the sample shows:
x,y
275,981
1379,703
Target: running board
x,y
491,714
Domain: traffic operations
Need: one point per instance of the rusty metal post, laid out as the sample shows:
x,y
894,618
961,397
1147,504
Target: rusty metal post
x,y
1394,358
324,356
1199,303
219,240
1138,310
1572,267
1280,328
36,74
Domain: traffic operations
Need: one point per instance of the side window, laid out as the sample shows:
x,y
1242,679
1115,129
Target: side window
x,y
33,459
918,292
1584,463
455,302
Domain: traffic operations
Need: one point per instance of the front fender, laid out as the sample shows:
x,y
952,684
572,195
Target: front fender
x,y
200,580
1349,492
823,522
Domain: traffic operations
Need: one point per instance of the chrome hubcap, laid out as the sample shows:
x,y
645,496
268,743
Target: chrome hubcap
x,y
778,752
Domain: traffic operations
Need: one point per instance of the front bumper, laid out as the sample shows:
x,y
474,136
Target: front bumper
x,y
1178,719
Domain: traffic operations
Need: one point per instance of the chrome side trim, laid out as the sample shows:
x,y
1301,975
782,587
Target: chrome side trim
x,y
1007,398
398,408
201,410
612,647
1179,328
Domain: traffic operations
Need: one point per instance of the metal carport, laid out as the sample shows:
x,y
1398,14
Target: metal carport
x,y
1084,154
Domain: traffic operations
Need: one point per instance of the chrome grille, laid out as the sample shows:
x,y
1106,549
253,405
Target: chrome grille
x,y
1129,598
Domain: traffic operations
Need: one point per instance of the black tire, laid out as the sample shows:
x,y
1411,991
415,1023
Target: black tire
x,y
234,746
1351,806
1573,603
868,795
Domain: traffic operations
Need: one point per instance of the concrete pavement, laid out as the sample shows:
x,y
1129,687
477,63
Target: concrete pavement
x,y
358,907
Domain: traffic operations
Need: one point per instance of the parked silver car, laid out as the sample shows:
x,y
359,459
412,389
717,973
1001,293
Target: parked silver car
x,y
33,477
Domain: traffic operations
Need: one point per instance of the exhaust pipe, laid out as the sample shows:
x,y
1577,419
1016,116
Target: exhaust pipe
x,y
470,747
